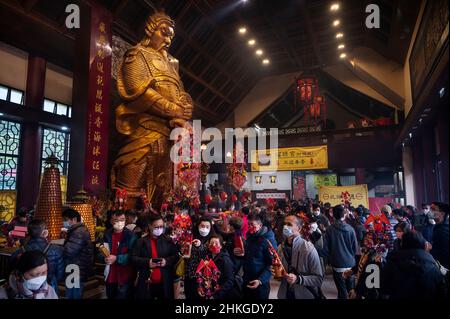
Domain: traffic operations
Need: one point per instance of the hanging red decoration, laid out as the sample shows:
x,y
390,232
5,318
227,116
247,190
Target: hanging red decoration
x,y
207,278
308,95
223,196
208,199
234,198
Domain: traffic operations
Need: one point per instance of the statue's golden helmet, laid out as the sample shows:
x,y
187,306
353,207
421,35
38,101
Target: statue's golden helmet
x,y
155,20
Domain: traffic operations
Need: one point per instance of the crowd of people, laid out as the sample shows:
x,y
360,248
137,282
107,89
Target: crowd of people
x,y
394,253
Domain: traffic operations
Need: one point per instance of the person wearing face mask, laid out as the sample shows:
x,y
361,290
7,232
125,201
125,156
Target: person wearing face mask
x,y
78,250
38,233
339,248
322,221
202,233
304,274
29,278
154,257
257,259
119,240
227,282
440,243
425,222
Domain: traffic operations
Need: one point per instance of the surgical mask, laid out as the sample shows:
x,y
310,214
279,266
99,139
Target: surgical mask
x,y
34,283
157,231
204,231
287,231
214,249
119,226
252,229
314,227
66,224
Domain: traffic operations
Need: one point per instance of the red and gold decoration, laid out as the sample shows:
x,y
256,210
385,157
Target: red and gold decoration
x,y
96,162
237,174
182,233
307,94
278,268
120,201
49,203
207,278
81,204
185,193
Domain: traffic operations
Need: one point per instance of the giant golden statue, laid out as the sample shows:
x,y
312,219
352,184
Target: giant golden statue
x,y
153,102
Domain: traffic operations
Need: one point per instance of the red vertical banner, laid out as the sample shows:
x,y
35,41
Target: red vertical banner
x,y
100,57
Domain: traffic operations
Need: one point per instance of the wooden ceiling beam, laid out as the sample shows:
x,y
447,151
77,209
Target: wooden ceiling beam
x,y
309,29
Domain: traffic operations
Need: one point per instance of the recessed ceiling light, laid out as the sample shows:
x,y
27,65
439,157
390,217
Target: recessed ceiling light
x,y
410,135
343,55
336,23
341,46
64,128
266,61
259,52
251,42
441,92
243,30
334,7
339,35
1,114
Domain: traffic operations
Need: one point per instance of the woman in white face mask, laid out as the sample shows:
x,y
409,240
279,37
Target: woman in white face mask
x,y
29,279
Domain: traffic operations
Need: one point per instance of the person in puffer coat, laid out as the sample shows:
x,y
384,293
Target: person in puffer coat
x,y
38,232
78,250
412,272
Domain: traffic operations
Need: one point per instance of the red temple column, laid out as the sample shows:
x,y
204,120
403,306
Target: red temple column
x,y
91,94
30,142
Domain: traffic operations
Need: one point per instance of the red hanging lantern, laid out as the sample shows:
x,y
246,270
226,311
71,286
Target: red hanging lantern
x,y
223,196
234,198
208,199
308,89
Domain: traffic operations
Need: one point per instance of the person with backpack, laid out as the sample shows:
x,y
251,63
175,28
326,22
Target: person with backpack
x,y
304,276
38,232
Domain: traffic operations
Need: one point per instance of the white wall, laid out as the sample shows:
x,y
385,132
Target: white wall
x,y
58,84
265,92
13,67
283,181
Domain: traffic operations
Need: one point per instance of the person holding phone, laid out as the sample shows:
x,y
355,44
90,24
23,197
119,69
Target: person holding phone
x,y
154,257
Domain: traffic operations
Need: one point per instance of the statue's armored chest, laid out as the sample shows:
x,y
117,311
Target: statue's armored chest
x,y
160,67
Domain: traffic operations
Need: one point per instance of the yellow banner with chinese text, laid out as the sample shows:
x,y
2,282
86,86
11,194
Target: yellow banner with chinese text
x,y
290,159
354,195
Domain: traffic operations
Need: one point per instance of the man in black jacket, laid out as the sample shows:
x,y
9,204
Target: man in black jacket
x,y
155,257
440,233
339,247
78,253
411,272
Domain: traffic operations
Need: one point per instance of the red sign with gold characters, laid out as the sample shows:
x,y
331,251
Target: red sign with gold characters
x,y
98,101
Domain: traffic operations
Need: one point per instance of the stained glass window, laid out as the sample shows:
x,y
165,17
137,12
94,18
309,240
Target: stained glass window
x,y
56,143
9,154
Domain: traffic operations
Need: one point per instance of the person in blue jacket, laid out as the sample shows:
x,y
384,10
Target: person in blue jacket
x,y
257,259
38,232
